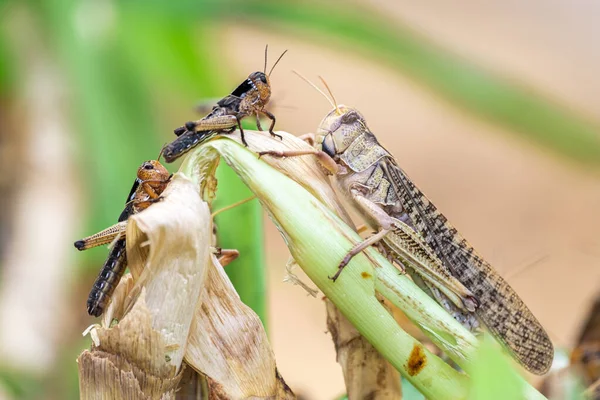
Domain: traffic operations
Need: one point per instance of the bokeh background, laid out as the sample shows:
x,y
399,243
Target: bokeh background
x,y
490,107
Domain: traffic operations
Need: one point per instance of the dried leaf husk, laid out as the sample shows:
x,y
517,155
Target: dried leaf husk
x,y
168,249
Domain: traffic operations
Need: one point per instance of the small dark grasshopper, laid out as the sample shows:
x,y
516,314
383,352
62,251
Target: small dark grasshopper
x,y
412,232
152,179
249,98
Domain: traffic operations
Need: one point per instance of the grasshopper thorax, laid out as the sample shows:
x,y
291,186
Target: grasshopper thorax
x,y
255,92
342,126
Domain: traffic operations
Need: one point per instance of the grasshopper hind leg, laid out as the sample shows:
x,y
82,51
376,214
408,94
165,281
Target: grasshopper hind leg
x,y
357,249
258,125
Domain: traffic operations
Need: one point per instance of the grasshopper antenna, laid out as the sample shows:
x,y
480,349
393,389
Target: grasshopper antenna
x,y
273,67
337,110
161,152
305,79
266,55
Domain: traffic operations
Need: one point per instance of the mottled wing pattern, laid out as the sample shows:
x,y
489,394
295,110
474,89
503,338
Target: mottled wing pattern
x,y
501,309
405,243
382,193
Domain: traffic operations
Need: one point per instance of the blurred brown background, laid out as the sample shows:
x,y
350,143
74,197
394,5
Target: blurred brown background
x,y
531,211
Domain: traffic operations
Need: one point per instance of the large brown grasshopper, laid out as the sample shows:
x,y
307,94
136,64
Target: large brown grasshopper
x,y
413,233
249,98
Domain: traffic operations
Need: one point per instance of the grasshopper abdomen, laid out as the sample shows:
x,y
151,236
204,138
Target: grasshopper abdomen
x,y
107,279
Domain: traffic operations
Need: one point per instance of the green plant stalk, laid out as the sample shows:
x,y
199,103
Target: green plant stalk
x,y
481,92
317,240
300,217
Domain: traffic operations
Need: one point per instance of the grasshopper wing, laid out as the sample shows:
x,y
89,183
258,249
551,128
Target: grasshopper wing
x,y
502,311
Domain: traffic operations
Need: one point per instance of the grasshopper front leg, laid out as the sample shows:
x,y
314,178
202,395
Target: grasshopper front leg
x,y
258,125
239,125
327,162
149,190
272,118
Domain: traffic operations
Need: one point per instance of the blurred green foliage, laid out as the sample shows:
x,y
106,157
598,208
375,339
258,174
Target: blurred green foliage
x,y
241,228
482,93
21,384
133,65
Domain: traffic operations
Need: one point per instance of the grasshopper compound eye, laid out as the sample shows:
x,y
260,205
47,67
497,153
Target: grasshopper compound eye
x,y
328,146
148,166
258,76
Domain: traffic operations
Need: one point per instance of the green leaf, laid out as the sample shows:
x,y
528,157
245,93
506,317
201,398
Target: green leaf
x,y
493,378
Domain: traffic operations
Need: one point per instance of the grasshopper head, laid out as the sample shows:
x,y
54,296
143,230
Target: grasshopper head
x,y
339,129
261,83
153,171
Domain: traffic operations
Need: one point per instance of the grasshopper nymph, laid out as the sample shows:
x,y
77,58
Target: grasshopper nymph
x,y
249,98
412,232
152,179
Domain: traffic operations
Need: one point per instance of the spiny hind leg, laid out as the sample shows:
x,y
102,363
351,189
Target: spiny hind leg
x,y
212,124
103,237
357,249
384,221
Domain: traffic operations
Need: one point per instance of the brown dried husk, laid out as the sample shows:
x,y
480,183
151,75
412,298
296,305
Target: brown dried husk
x,y
141,356
228,344
178,302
